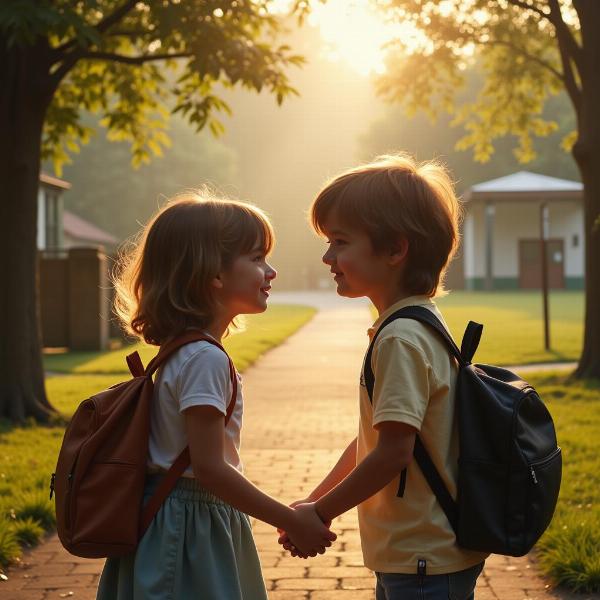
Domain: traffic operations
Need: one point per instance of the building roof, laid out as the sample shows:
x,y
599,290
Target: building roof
x,y
79,228
525,185
54,182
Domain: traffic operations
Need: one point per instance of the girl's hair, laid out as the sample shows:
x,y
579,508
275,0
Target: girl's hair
x,y
163,286
392,198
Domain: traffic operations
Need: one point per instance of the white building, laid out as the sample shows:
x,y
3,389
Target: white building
x,y
501,246
59,229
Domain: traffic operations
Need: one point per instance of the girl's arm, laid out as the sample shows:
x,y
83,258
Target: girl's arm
x,y
205,431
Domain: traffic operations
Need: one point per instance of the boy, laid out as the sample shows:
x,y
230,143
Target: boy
x,y
392,227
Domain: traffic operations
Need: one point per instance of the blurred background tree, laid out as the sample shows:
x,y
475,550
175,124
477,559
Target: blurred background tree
x,y
527,51
60,59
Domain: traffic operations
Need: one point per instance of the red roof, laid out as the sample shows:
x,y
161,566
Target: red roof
x,y
81,229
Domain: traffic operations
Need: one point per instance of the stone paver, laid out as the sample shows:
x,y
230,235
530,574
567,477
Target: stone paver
x,y
300,412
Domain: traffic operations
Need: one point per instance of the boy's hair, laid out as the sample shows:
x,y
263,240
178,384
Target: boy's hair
x,y
164,285
393,198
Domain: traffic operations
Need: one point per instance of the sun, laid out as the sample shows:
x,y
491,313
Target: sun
x,y
355,32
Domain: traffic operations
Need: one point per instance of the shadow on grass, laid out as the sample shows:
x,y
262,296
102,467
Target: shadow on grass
x,y
73,362
57,419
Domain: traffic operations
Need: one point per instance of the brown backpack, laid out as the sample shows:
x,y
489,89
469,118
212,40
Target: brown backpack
x,y
101,468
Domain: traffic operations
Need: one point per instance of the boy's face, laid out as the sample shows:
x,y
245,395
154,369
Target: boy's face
x,y
358,270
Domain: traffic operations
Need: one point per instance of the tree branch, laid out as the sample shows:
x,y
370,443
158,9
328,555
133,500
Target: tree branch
x,y
72,58
68,63
103,25
132,60
564,35
555,18
568,47
117,16
526,54
569,51
527,6
130,33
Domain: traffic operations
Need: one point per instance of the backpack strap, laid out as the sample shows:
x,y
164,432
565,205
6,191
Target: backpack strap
x,y
135,364
183,461
471,340
428,468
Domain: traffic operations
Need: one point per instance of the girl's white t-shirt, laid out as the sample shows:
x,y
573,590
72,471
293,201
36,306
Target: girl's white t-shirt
x,y
197,374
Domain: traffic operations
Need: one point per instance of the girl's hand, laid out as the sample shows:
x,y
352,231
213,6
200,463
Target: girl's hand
x,y
284,538
308,535
281,532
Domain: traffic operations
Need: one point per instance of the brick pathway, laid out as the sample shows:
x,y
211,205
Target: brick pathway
x,y
301,410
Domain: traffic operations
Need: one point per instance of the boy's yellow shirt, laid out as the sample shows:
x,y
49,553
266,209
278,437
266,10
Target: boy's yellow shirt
x,y
415,382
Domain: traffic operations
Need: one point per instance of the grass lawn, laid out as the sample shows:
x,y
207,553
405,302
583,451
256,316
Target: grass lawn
x,y
262,332
513,325
28,453
569,551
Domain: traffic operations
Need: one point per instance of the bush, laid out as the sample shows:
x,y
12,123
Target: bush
x,y
9,544
28,531
568,552
37,506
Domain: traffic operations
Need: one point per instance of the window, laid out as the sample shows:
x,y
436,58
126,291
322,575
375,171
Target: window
x,y
52,220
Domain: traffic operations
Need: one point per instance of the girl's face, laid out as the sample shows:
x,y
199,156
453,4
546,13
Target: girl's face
x,y
245,285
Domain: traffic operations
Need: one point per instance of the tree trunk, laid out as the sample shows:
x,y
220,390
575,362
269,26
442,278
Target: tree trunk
x,y
589,362
587,155
26,93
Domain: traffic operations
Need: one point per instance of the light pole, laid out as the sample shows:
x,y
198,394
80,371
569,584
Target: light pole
x,y
544,234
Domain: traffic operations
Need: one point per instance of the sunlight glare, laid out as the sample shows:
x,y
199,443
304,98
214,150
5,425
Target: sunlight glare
x,y
355,32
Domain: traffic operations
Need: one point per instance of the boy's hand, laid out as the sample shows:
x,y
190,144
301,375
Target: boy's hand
x,y
284,538
308,535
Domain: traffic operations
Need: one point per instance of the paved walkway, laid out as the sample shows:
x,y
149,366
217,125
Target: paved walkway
x,y
301,410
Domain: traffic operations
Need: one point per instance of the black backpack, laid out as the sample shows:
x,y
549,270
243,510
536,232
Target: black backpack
x,y
510,465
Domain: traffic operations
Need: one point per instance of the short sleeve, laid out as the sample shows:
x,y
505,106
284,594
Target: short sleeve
x,y
204,380
402,382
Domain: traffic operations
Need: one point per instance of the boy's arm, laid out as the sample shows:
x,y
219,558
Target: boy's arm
x,y
393,453
344,465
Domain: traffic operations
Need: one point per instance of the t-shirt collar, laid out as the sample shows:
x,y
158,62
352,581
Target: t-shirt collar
x,y
410,301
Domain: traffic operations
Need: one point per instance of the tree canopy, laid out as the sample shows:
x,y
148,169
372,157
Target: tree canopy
x,y
528,50
109,56
427,138
62,59
517,45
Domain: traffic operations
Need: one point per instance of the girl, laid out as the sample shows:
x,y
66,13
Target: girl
x,y
201,263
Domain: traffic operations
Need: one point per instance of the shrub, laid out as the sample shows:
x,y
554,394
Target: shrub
x,y
569,552
37,506
9,544
28,531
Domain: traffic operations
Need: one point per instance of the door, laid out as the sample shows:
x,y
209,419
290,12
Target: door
x,y
530,266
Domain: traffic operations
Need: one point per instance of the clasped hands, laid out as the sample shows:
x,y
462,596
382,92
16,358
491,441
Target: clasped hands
x,y
307,535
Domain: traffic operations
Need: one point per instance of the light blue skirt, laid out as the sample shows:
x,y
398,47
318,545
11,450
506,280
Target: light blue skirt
x,y
196,548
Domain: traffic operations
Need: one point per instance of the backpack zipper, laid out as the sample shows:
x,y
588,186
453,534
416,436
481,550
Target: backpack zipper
x,y
68,499
542,463
533,475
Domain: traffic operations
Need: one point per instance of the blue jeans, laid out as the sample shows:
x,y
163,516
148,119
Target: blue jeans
x,y
450,586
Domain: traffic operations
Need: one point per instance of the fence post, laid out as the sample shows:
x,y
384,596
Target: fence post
x,y
88,299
